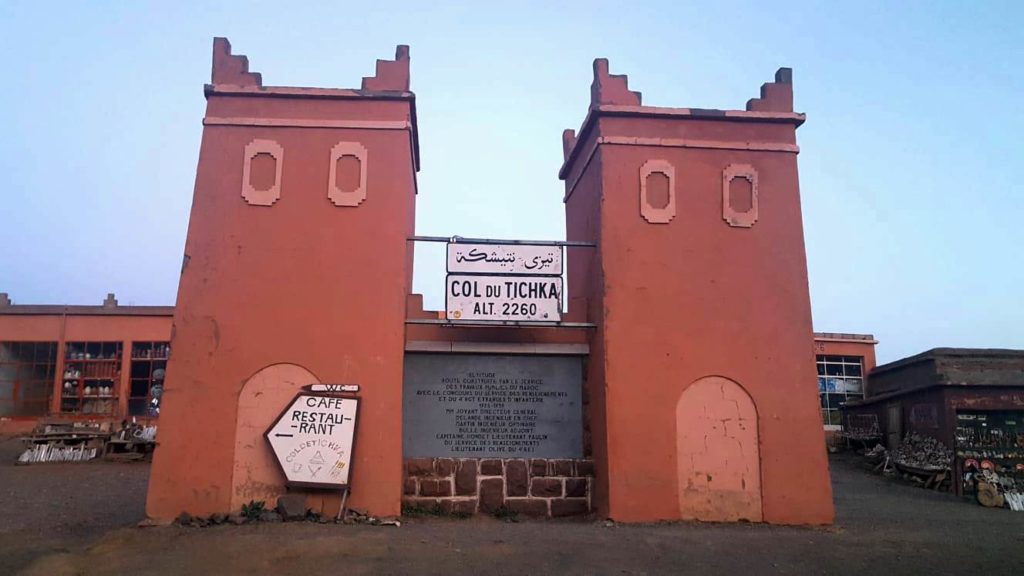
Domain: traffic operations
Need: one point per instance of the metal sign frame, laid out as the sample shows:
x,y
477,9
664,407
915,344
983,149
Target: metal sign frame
x,y
560,275
355,437
449,322
457,239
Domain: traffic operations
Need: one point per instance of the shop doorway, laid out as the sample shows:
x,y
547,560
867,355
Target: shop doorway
x,y
894,426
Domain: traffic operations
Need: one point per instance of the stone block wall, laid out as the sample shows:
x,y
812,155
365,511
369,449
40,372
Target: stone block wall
x,y
531,487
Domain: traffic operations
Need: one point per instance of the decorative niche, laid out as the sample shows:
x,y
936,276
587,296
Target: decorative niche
x,y
739,195
261,172
657,191
347,185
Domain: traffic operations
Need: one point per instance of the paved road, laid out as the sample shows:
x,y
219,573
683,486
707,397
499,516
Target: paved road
x,y
882,528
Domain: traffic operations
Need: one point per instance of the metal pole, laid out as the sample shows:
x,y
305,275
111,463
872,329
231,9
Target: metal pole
x,y
507,323
460,239
341,511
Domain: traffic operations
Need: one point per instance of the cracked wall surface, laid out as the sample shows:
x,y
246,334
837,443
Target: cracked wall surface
x,y
717,453
256,474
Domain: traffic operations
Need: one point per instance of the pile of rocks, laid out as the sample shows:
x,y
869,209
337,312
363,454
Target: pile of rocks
x,y
353,516
923,452
190,521
290,508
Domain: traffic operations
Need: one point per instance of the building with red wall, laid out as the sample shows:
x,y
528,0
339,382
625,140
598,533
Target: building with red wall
x,y
688,307
34,345
699,292
103,362
843,362
37,340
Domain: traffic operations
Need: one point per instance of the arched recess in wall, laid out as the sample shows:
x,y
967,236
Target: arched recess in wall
x,y
256,475
717,455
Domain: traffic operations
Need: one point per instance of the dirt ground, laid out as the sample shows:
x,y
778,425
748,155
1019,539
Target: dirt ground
x,y
80,519
51,508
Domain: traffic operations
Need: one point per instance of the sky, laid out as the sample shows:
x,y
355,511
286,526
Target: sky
x,y
910,165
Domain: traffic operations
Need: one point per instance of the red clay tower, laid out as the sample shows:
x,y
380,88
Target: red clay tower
x,y
296,271
701,374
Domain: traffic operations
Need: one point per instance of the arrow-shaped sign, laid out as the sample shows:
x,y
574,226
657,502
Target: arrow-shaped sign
x,y
313,439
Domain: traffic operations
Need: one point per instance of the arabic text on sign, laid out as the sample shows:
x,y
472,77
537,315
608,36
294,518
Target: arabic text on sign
x,y
504,259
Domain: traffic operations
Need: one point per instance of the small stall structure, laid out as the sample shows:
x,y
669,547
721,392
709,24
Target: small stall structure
x,y
66,440
967,401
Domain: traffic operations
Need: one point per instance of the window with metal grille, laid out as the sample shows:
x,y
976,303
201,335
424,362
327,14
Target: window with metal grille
x,y
91,379
26,377
840,379
149,364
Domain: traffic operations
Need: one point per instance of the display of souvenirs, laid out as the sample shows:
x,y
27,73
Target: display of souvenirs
x,y
102,391
99,407
77,354
990,447
148,366
154,352
995,435
91,371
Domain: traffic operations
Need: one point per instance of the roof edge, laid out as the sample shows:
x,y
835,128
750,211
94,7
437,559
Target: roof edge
x,y
79,310
615,110
936,353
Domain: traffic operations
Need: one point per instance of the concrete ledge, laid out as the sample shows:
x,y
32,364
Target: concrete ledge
x,y
443,347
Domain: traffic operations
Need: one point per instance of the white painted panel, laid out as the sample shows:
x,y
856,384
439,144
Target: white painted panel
x,y
504,259
313,439
521,298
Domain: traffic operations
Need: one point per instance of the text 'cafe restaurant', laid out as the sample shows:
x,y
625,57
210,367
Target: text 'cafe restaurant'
x,y
107,362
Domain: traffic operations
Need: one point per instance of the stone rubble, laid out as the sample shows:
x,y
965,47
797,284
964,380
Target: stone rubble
x,y
286,511
923,452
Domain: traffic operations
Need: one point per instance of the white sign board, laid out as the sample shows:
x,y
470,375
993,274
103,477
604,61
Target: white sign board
x,y
504,259
313,440
332,388
522,298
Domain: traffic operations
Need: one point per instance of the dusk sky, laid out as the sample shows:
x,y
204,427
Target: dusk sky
x,y
911,158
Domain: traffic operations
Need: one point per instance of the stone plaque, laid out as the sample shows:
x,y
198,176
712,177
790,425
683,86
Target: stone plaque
x,y
492,406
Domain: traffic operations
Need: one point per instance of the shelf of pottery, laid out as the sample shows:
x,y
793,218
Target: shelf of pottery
x,y
149,364
91,374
